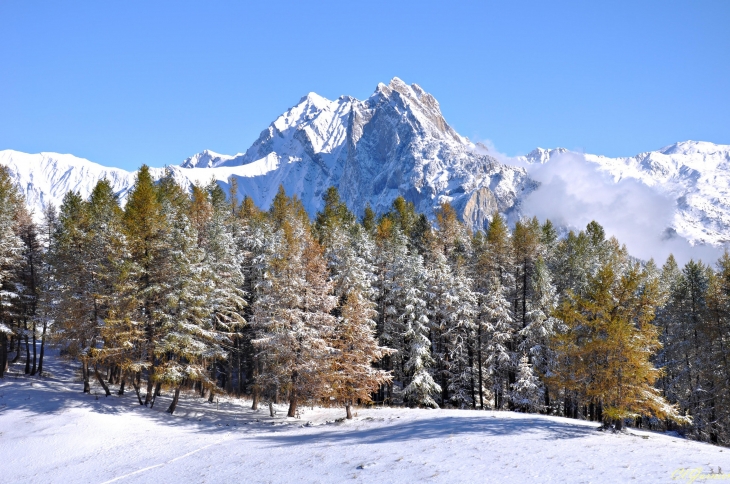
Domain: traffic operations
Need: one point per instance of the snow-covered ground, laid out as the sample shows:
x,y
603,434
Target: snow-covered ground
x,y
51,432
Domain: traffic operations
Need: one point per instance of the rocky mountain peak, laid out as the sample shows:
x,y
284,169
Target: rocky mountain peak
x,y
396,142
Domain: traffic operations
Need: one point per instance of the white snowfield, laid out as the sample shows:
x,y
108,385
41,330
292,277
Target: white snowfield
x,y
51,432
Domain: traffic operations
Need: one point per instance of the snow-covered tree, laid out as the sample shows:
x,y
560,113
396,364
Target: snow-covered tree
x,y
190,339
11,249
292,314
540,325
353,376
412,314
527,390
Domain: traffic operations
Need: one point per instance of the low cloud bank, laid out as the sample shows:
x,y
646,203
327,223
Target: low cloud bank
x,y
574,192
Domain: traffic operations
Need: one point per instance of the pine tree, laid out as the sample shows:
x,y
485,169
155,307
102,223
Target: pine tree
x,y
540,325
453,308
146,230
412,316
716,334
11,248
292,314
190,339
496,327
390,250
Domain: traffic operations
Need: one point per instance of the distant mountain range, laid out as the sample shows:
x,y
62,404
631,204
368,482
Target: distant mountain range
x,y
394,143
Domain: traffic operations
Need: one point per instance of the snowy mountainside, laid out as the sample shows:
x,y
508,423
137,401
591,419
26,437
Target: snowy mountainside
x,y
693,174
396,142
47,177
206,159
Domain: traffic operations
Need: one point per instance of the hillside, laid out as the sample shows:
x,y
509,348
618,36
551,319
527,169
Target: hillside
x,y
51,432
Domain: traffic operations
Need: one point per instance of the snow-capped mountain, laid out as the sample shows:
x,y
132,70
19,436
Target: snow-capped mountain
x,y
206,159
46,177
694,174
396,142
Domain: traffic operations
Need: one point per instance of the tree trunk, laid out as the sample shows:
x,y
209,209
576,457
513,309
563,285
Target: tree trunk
x,y
34,367
211,395
155,394
229,376
479,363
173,404
255,403
43,349
3,353
101,381
17,349
135,383
150,387
85,373
292,404
239,365
121,385
349,412
271,409
27,354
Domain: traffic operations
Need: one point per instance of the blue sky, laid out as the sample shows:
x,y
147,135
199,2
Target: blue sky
x,y
126,83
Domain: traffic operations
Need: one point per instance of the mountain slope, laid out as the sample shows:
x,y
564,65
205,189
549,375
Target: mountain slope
x,y
46,177
397,142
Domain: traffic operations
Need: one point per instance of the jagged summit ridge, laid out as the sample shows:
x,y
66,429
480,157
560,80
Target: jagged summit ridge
x,y
396,142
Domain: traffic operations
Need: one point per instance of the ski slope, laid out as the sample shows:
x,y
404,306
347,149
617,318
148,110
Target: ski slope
x,y
51,432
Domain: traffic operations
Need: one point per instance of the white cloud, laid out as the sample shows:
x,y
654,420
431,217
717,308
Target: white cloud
x,y
574,192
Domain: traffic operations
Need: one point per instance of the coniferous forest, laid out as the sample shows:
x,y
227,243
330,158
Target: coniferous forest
x,y
188,290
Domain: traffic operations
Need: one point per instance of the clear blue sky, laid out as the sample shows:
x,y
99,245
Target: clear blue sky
x,y
126,83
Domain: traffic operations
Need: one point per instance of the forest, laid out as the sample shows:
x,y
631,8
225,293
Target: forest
x,y
187,290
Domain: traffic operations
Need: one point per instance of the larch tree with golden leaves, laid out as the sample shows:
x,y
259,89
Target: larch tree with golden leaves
x,y
609,342
353,376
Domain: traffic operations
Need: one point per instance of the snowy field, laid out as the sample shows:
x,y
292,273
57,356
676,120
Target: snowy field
x,y
51,432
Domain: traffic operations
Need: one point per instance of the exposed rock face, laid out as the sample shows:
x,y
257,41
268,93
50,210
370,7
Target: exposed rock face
x,y
478,208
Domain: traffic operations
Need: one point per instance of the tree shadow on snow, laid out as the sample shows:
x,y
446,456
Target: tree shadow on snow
x,y
60,390
440,428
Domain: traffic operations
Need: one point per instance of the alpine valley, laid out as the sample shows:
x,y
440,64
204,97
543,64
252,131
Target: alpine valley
x,y
394,143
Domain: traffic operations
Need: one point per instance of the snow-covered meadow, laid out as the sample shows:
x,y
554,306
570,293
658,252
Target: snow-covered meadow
x,y
51,432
